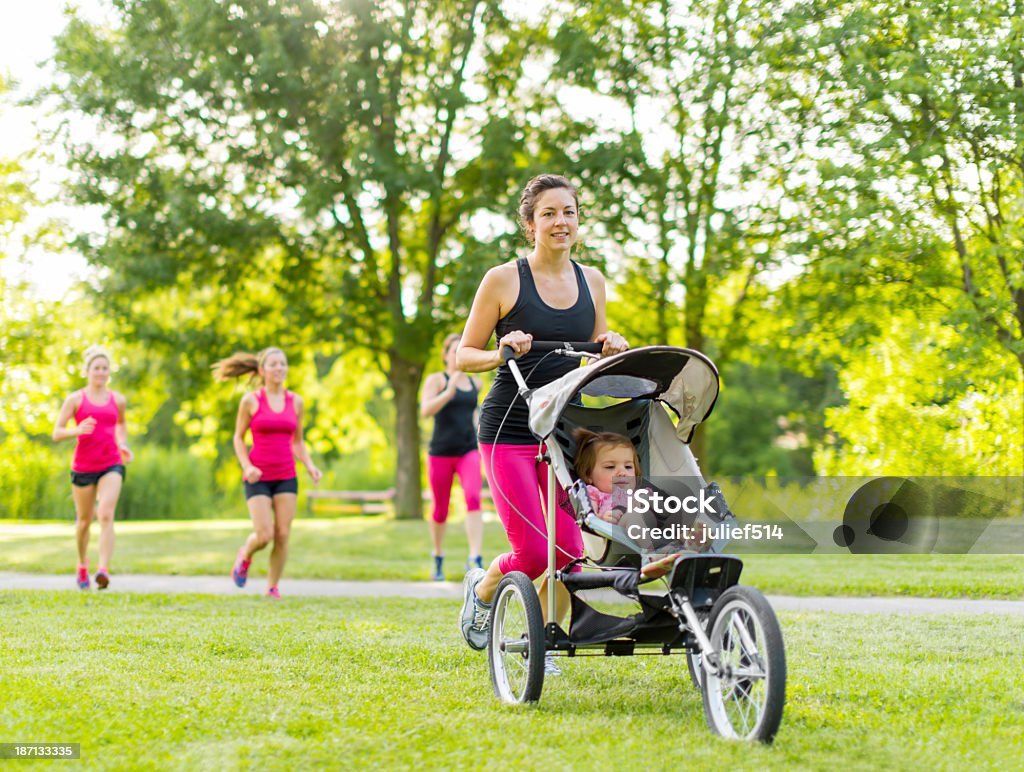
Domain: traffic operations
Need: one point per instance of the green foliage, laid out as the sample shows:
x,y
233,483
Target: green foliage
x,y
166,483
919,404
766,421
36,481
362,470
913,196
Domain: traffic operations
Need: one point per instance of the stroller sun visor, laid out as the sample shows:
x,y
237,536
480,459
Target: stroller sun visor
x,y
683,379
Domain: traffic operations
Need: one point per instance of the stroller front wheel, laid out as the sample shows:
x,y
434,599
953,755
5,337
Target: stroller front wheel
x,y
744,699
515,645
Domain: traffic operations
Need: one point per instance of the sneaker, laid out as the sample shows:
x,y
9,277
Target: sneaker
x,y
102,579
550,667
438,575
240,572
83,578
274,593
477,562
475,618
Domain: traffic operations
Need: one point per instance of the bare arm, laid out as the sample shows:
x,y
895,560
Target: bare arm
x,y
436,394
299,449
246,408
494,298
61,431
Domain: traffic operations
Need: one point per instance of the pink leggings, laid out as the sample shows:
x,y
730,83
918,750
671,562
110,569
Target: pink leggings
x,y
441,470
518,482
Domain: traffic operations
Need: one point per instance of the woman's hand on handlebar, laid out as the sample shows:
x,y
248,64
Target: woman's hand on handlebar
x,y
519,342
612,343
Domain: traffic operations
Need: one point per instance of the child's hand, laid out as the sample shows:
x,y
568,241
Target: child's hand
x,y
611,516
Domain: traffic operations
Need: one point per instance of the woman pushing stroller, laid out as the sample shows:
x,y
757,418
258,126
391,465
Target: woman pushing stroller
x,y
544,296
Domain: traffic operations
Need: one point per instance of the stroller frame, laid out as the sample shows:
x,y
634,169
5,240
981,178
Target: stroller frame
x,y
730,634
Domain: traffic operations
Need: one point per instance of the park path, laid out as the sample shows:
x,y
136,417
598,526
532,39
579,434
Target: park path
x,y
221,585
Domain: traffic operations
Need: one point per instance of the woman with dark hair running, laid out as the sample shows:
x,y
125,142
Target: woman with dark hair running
x,y
544,296
450,396
274,417
97,470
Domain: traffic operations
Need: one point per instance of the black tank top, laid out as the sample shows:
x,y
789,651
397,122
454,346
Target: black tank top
x,y
454,433
531,314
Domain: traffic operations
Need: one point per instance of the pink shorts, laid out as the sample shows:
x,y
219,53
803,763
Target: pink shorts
x,y
519,486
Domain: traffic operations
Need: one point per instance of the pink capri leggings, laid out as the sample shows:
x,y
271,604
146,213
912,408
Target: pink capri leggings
x,y
441,470
519,482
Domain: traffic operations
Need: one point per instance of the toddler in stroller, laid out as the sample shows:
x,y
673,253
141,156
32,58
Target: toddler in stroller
x,y
610,466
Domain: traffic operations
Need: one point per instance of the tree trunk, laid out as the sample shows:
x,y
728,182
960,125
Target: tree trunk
x,y
405,377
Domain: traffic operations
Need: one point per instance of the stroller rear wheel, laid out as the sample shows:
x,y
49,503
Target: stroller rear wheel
x,y
515,645
745,699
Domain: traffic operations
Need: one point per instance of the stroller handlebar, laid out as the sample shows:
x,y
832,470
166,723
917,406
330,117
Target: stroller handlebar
x,y
563,348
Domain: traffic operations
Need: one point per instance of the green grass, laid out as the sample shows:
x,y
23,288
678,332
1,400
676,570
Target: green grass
x,y
383,548
190,682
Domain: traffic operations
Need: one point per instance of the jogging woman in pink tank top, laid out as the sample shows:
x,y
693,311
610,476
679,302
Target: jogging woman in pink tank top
x,y
273,415
97,470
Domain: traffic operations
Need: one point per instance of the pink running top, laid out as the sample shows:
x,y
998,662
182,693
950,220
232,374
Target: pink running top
x,y
97,451
272,435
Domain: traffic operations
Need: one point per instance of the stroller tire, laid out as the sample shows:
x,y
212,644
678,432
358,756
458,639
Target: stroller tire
x,y
746,699
515,642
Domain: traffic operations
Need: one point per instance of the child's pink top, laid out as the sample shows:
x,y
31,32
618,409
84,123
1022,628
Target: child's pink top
x,y
603,502
272,435
97,451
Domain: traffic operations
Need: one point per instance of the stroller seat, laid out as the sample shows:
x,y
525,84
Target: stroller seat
x,y
669,468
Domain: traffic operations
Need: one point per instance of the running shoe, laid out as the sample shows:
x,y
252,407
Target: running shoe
x,y
83,578
274,593
240,572
102,579
550,666
438,575
478,562
475,618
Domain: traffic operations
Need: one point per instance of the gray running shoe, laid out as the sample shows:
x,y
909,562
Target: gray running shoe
x,y
475,618
550,666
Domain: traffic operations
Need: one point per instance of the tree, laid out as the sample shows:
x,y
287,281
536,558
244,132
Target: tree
x,y
918,193
327,174
689,189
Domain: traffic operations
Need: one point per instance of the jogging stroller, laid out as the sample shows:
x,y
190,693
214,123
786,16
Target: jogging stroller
x,y
729,633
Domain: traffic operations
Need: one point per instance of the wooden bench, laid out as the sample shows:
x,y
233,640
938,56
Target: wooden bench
x,y
355,502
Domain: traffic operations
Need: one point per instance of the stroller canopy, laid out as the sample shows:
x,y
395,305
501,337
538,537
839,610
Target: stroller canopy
x,y
681,378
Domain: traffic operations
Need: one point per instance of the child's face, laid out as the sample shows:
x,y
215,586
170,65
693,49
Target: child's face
x,y
613,463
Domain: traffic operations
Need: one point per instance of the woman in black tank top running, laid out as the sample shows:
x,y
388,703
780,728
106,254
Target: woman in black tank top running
x,y
544,296
450,396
